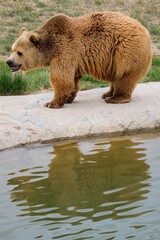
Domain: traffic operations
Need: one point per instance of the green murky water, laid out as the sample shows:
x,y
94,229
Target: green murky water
x,y
88,189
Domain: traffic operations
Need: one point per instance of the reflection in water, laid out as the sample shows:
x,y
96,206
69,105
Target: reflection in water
x,y
85,184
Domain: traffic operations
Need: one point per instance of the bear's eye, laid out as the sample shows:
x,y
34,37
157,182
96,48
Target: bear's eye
x,y
19,54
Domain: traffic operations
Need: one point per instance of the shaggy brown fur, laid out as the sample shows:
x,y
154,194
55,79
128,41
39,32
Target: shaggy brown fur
x,y
109,46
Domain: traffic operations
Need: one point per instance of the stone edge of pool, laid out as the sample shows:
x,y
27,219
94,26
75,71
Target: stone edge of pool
x,y
24,119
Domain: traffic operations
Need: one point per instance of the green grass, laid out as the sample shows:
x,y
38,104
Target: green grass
x,y
38,80
154,73
22,83
88,82
11,84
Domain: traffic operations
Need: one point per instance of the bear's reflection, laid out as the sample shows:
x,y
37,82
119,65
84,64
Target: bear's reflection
x,y
85,181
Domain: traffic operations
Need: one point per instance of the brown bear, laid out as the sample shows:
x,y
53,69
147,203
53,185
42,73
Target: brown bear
x,y
109,46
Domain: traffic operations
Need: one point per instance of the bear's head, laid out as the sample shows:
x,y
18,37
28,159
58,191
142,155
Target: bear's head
x,y
37,48
26,54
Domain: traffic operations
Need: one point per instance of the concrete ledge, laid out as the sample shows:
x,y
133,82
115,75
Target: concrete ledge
x,y
23,119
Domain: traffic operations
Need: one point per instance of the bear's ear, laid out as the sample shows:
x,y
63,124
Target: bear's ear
x,y
23,30
35,39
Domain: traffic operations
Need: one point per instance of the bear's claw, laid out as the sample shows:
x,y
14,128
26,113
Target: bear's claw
x,y
52,105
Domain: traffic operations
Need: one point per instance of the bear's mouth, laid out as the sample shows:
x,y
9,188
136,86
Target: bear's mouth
x,y
15,67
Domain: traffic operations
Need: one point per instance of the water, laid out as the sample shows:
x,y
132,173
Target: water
x,y
88,189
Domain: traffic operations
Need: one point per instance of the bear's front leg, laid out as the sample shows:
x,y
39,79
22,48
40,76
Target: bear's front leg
x,y
73,94
58,101
62,79
53,104
63,86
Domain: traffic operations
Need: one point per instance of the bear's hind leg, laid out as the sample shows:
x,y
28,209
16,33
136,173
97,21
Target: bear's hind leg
x,y
108,94
117,100
123,89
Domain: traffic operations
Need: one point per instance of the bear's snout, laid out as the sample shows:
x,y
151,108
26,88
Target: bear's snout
x,y
9,63
14,67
